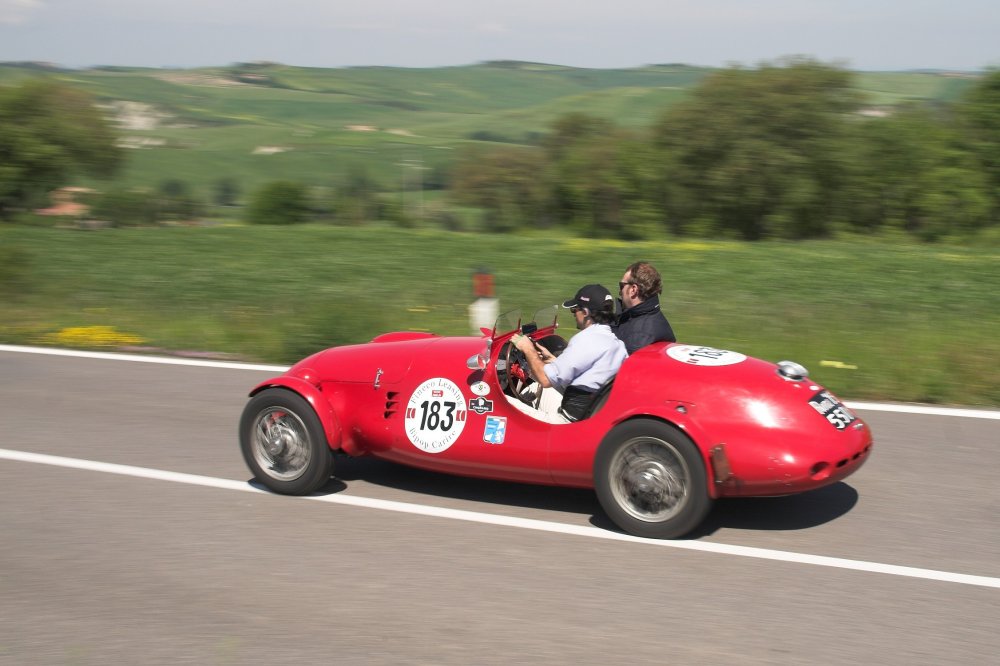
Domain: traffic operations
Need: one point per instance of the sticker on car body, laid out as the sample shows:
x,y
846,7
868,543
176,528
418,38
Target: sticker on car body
x,y
704,356
832,409
495,430
480,388
435,415
480,405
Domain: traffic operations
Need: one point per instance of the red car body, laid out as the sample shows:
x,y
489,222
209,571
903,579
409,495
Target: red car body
x,y
747,427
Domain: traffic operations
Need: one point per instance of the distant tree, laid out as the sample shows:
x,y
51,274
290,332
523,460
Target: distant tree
x,y
174,189
980,109
602,184
761,152
571,129
505,183
178,202
488,135
126,208
577,155
438,177
48,132
279,202
914,173
227,192
356,200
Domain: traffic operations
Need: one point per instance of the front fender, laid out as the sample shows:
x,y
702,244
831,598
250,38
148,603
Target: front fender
x,y
328,418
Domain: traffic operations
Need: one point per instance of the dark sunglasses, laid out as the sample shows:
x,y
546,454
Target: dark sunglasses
x,y
622,285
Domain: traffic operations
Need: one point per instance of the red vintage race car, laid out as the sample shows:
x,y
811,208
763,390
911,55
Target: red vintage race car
x,y
678,427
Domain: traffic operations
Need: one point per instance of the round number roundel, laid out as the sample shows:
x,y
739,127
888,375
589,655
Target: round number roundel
x,y
435,415
694,355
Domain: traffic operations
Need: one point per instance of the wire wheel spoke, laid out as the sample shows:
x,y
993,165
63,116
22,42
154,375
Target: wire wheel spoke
x,y
650,479
281,443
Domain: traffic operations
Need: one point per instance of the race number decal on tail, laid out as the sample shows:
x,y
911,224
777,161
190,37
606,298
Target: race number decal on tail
x,y
435,415
832,409
705,356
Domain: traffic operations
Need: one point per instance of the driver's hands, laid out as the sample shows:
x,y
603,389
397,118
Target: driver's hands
x,y
524,343
527,346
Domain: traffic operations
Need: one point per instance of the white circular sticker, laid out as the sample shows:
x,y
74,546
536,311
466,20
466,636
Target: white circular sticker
x,y
435,415
480,388
706,356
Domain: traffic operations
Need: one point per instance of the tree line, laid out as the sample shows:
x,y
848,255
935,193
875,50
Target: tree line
x,y
785,150
782,151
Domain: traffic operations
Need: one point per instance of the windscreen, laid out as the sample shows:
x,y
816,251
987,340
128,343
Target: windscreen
x,y
507,322
547,316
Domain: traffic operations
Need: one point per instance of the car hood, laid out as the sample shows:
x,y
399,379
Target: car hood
x,y
388,358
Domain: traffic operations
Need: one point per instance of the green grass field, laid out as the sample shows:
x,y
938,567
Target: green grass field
x,y
871,319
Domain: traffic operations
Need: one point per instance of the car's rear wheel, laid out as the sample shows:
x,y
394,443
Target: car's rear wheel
x,y
650,479
283,443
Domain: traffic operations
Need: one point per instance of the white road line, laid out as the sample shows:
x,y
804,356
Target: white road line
x,y
138,358
508,521
925,410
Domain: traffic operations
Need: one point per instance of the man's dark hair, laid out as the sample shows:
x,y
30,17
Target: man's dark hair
x,y
605,314
646,278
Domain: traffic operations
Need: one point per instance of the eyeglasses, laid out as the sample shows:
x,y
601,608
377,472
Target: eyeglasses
x,y
622,285
574,309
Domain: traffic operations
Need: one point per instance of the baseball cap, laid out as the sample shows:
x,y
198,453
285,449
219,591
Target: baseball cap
x,y
590,296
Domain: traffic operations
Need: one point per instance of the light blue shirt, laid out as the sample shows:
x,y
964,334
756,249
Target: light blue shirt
x,y
591,358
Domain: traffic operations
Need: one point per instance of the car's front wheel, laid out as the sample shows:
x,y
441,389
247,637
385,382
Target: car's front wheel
x,y
650,479
283,443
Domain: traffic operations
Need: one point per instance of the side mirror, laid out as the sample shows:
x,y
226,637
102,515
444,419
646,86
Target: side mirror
x,y
480,360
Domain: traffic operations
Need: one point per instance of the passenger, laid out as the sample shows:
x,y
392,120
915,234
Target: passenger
x,y
591,358
641,321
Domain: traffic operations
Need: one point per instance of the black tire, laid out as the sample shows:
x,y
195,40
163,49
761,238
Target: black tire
x,y
283,443
650,479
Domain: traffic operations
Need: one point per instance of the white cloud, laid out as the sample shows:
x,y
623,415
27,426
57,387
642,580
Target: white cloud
x,y
16,12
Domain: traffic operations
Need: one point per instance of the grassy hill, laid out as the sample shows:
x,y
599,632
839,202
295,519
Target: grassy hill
x,y
260,122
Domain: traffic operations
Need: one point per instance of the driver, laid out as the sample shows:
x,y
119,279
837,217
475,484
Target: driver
x,y
591,358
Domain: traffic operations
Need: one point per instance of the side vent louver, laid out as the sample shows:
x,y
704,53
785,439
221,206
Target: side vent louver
x,y
391,404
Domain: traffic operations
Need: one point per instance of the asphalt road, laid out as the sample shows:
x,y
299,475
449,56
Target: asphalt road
x,y
106,568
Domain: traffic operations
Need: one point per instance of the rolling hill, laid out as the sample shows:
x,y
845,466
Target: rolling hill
x,y
256,122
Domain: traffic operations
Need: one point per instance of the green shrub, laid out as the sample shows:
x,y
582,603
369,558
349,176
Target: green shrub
x,y
126,208
280,202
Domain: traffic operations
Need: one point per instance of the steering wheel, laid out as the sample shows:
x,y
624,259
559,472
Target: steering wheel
x,y
517,376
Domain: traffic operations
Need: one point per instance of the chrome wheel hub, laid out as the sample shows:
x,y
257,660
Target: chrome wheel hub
x,y
650,479
280,444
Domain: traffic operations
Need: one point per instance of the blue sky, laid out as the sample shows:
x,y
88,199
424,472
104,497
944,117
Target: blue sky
x,y
859,34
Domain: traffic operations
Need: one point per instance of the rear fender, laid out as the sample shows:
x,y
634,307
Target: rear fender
x,y
678,414
320,405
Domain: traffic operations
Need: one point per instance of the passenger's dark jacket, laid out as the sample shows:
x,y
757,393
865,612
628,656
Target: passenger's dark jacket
x,y
643,324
